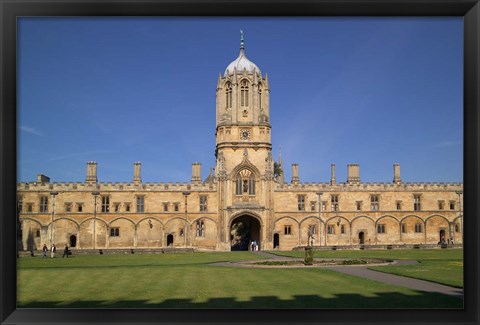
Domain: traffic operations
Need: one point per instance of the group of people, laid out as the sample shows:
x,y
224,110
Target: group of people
x,y
53,250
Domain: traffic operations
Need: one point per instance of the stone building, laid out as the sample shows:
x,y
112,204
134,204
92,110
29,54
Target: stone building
x,y
245,198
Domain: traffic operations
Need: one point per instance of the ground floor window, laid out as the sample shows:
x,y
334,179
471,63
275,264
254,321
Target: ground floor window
x,y
418,227
457,227
200,228
404,228
287,230
381,228
114,232
330,229
342,229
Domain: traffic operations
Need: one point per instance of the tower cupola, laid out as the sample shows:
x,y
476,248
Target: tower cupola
x,y
241,63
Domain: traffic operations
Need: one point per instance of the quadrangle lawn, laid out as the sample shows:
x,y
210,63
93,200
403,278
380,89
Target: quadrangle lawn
x,y
188,281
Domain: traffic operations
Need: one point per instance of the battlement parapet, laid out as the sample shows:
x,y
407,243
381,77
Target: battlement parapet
x,y
113,186
371,186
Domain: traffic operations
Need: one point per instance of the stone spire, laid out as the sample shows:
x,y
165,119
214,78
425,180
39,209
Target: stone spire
x,y
281,176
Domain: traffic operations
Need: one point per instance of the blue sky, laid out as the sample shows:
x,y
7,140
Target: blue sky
x,y
373,91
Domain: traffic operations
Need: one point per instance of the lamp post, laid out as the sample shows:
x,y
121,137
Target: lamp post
x,y
53,194
459,194
95,194
186,194
319,216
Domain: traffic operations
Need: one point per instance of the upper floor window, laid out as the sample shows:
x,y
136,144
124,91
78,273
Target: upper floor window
x,y
140,204
165,207
334,202
44,204
452,205
68,207
79,207
313,205
19,203
127,207
416,202
116,207
245,183
244,93
29,207
301,203
203,203
176,207
374,202
441,205
399,205
359,205
228,95
105,204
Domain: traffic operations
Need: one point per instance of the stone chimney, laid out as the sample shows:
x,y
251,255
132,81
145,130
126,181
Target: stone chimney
x,y
333,181
91,172
353,174
196,173
396,174
136,172
42,178
295,178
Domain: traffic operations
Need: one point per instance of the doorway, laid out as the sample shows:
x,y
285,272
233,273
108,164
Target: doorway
x,y
244,230
276,241
361,238
169,240
442,236
73,241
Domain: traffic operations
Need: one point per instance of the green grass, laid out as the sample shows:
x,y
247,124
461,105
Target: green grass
x,y
443,266
188,281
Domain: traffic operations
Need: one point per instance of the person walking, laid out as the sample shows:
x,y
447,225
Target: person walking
x,y
44,250
53,250
65,251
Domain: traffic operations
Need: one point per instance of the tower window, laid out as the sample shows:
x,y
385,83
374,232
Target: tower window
x,y
244,93
245,183
259,97
228,95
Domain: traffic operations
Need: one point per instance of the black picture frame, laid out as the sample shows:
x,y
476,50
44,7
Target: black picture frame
x,y
10,10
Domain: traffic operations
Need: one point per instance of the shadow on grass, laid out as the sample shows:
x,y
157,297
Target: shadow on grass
x,y
381,300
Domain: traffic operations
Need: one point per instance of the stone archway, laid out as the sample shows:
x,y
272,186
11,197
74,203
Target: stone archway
x,y
169,240
361,238
243,230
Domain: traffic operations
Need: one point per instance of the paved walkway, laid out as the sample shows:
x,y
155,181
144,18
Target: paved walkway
x,y
363,272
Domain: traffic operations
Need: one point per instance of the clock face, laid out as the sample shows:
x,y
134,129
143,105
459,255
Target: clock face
x,y
245,134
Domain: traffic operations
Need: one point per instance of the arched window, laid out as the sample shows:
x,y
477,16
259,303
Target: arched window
x,y
244,93
259,97
228,95
245,183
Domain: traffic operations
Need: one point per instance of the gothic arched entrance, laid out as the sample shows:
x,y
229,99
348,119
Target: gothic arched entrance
x,y
243,230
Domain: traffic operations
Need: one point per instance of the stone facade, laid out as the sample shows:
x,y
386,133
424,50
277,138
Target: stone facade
x,y
244,190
